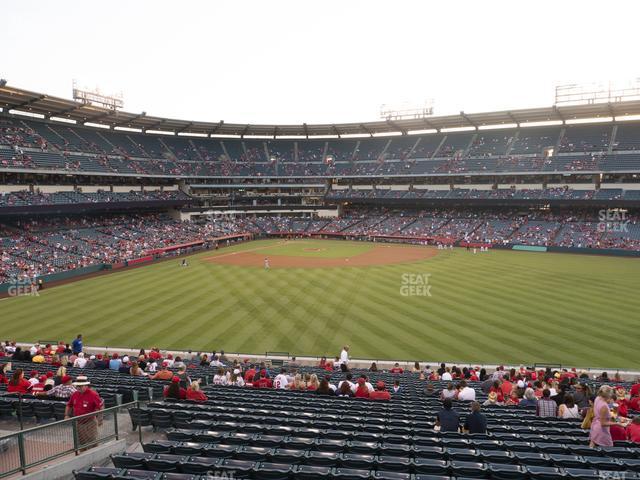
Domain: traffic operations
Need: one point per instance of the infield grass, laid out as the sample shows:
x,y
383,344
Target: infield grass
x,y
495,307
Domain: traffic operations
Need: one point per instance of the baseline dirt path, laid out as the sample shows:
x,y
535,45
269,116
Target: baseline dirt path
x,y
378,255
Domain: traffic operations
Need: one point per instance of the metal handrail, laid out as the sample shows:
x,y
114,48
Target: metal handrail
x,y
18,438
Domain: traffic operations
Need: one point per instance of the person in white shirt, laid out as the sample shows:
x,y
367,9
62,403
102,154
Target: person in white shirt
x,y
216,362
466,393
236,379
34,349
446,376
281,381
220,378
80,362
344,358
348,379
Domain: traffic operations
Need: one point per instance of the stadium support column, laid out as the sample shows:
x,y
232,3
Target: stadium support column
x,y
415,145
183,187
437,150
559,142
224,149
612,140
512,142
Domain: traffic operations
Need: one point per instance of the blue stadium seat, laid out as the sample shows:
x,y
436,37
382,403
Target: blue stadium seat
x,y
311,472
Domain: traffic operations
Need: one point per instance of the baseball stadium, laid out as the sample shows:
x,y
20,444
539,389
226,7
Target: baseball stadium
x,y
420,296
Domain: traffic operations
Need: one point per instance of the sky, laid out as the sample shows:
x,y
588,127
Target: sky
x,y
316,61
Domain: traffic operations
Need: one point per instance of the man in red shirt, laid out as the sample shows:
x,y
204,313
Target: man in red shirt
x,y
82,402
396,369
250,374
39,387
635,389
506,387
263,381
633,430
380,393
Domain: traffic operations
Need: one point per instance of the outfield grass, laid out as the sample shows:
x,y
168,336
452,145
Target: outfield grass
x,y
495,307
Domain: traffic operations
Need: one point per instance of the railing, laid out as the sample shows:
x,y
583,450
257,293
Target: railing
x,y
28,448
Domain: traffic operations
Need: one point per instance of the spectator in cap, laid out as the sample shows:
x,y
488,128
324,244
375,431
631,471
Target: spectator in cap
x,y
174,391
91,363
380,393
82,402
249,374
448,419
194,393
263,381
115,363
64,390
163,374
80,361
236,378
362,391
39,387
102,362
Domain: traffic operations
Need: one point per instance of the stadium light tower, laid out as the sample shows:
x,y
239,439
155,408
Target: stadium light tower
x,y
590,93
94,97
405,110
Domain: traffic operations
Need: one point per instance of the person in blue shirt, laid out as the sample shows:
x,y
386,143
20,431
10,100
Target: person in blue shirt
x,y
115,363
76,345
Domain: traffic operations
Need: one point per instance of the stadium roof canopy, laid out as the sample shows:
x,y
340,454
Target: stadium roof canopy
x,y
37,103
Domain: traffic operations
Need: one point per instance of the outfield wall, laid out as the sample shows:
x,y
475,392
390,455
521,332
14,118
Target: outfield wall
x,y
433,239
24,288
6,288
